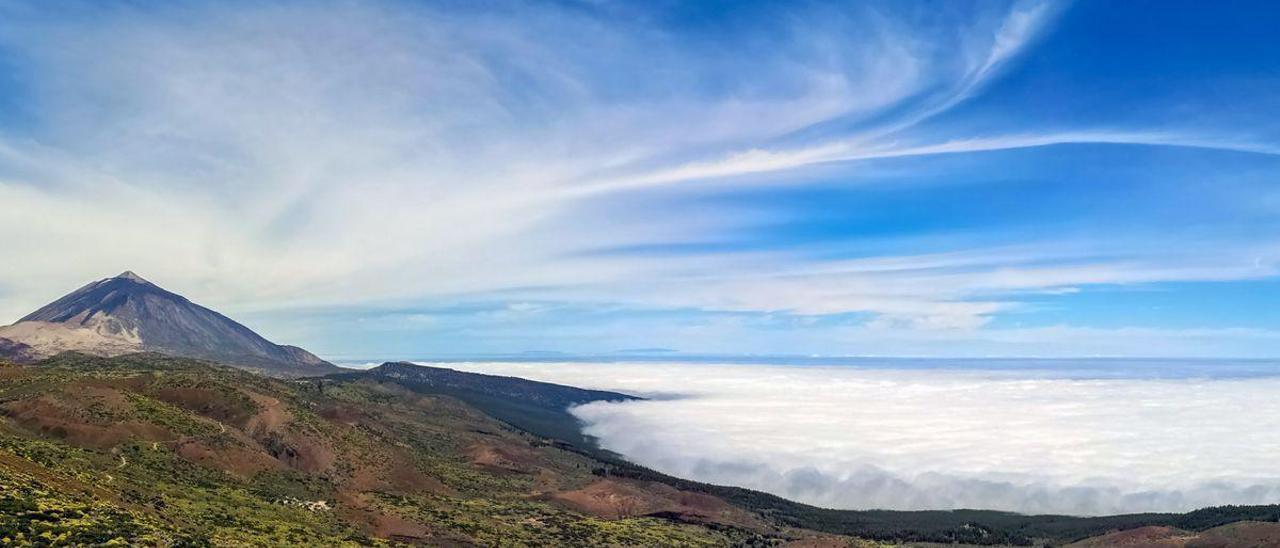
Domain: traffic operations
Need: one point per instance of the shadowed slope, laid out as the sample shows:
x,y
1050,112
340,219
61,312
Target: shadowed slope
x,y
536,407
17,352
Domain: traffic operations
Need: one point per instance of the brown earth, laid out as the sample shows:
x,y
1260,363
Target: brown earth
x,y
217,405
503,456
358,508
620,498
243,462
1245,534
52,416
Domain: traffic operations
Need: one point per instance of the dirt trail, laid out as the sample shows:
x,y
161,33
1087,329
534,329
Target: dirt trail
x,y
270,418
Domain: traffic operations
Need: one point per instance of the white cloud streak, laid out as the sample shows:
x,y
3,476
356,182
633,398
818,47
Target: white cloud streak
x,y
290,154
299,153
755,161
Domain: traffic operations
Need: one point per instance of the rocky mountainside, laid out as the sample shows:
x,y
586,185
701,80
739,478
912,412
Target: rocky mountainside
x,y
128,314
15,351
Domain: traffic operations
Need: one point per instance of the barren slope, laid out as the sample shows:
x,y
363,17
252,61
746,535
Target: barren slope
x,y
127,314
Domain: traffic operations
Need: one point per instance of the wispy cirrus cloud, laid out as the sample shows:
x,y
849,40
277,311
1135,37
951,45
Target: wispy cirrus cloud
x,y
290,155
346,140
755,161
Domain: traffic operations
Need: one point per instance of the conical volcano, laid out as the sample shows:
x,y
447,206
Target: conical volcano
x,y
128,314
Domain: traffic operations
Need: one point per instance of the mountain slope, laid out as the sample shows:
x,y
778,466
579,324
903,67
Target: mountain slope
x,y
17,352
1250,534
168,451
160,451
536,407
127,314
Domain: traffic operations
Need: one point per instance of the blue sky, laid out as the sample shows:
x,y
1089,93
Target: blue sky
x,y
400,179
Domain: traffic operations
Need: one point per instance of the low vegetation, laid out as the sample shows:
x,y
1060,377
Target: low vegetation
x,y
151,450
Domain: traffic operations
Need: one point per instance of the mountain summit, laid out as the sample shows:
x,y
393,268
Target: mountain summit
x,y
127,314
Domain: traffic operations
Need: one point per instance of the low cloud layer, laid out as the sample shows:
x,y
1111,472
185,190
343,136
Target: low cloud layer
x,y
1027,440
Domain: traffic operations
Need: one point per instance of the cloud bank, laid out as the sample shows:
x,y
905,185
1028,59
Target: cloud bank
x,y
1111,439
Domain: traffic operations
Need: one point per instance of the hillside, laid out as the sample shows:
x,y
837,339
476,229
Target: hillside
x,y
128,314
162,450
1255,534
536,407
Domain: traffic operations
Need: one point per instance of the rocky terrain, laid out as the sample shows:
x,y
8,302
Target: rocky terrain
x,y
127,314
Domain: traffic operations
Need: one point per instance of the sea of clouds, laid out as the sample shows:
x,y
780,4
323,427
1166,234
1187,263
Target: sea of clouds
x,y
1076,441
